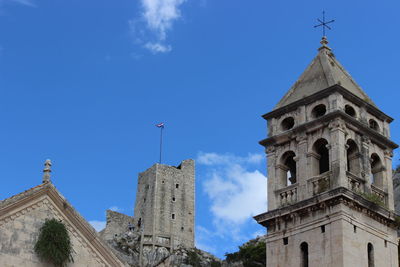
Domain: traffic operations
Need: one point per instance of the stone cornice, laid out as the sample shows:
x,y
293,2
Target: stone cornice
x,y
47,194
324,93
308,126
329,198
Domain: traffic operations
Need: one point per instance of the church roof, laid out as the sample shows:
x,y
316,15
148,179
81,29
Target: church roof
x,y
323,72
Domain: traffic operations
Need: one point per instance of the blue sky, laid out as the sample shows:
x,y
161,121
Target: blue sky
x,y
84,82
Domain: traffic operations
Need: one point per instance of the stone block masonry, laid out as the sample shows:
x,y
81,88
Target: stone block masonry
x,y
165,206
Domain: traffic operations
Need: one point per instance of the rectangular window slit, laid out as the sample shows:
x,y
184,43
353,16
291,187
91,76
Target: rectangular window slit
x,y
355,229
285,240
323,229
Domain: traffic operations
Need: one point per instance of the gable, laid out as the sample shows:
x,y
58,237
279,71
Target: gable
x,y
22,218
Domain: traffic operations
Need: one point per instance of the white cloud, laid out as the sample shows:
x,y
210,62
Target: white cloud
x,y
158,17
98,225
158,48
117,209
203,235
236,191
259,233
228,159
22,2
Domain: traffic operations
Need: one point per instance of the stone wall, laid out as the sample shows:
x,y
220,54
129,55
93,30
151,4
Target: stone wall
x,y
336,237
116,223
165,204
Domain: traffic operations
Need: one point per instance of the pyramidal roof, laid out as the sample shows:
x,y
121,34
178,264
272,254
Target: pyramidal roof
x,y
323,72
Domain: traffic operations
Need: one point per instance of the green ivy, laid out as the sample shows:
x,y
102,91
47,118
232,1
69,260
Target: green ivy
x,y
54,244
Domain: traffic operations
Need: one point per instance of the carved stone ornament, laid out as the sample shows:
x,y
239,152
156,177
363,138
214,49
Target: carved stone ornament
x,y
388,153
301,138
337,124
366,139
270,149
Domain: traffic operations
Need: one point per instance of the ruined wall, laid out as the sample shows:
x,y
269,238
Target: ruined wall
x,y
19,233
116,223
165,204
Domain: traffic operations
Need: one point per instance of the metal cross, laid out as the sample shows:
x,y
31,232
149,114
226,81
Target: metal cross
x,y
324,23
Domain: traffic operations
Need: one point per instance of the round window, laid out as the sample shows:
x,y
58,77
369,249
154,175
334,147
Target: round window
x,y
287,123
319,111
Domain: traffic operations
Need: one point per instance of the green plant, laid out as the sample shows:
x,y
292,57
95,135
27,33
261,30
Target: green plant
x,y
373,198
193,258
397,221
215,263
54,244
251,254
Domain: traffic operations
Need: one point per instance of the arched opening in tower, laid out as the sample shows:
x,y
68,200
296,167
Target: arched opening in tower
x,y
320,148
288,175
376,170
353,157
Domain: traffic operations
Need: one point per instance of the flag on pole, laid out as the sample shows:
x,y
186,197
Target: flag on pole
x,y
160,125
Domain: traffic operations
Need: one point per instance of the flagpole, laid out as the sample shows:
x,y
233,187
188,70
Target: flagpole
x,y
161,132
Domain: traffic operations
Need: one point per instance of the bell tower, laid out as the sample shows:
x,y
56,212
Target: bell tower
x,y
329,154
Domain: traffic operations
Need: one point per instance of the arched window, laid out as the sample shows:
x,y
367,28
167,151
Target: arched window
x,y
349,110
370,251
321,163
373,125
288,168
353,157
304,254
318,111
376,171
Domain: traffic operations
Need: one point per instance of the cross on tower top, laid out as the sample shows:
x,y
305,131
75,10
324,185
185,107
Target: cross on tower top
x,y
324,24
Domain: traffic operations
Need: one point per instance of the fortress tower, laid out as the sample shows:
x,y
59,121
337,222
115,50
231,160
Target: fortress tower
x,y
165,208
330,195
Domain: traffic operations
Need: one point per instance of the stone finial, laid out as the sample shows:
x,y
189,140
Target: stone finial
x,y
47,171
324,42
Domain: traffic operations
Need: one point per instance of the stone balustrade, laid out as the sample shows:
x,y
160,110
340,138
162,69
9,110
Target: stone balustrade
x,y
355,183
379,193
320,183
287,195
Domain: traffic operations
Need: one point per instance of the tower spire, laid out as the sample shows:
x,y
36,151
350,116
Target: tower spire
x,y
47,171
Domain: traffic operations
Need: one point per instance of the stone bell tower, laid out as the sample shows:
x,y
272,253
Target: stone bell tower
x,y
330,195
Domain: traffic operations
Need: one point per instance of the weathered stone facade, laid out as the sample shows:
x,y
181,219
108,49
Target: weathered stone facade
x,y
330,191
165,207
116,223
21,217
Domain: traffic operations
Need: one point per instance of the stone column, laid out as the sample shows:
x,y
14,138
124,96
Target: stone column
x,y
338,153
302,168
366,163
388,181
273,180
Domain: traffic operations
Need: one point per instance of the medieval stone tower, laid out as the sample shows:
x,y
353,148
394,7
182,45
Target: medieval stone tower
x,y
330,195
165,208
